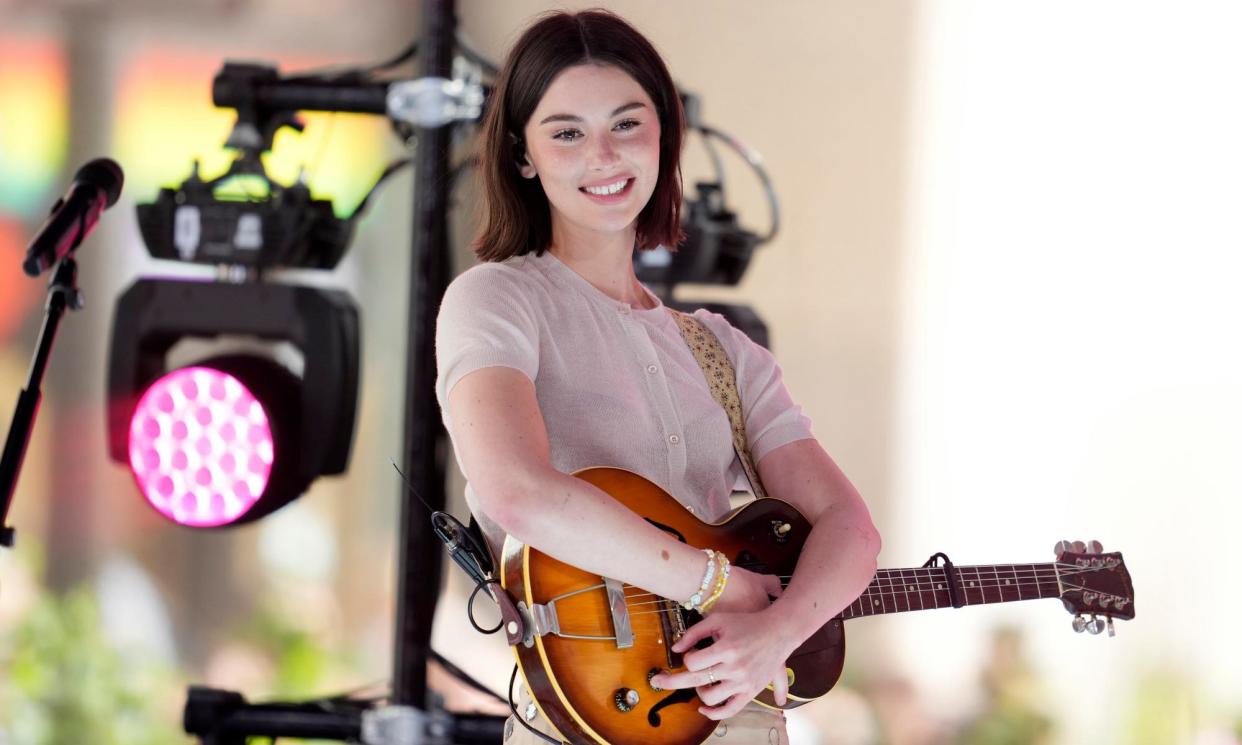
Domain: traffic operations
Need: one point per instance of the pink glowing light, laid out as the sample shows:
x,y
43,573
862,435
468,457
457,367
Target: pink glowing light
x,y
185,453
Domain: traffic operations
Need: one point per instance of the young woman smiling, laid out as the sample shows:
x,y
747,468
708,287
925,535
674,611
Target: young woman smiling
x,y
553,357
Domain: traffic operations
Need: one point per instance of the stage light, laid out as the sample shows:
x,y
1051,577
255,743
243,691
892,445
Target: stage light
x,y
230,438
201,447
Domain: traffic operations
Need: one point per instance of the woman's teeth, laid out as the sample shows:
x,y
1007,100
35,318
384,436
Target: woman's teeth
x,y
604,191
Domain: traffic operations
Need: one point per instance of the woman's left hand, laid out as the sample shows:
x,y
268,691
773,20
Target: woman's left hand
x,y
748,652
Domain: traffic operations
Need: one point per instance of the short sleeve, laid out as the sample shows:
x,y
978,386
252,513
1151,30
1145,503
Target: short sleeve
x,y
771,416
485,320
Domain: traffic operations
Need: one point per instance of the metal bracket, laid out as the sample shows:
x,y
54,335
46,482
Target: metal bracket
x,y
405,725
434,102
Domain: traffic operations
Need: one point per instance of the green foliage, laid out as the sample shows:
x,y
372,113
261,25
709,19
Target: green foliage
x,y
67,686
1007,724
1162,710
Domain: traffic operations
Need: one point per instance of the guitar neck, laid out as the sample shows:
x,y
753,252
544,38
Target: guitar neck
x,y
927,588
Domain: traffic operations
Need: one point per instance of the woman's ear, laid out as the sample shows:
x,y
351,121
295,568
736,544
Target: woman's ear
x,y
521,159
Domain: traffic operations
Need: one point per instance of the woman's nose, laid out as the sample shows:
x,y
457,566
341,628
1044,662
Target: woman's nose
x,y
604,154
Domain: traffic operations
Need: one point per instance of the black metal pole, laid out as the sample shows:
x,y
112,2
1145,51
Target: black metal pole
x,y
63,294
421,556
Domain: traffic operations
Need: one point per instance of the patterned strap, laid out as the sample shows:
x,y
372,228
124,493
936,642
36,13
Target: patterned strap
x,y
722,380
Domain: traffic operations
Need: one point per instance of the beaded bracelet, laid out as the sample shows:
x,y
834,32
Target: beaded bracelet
x,y
696,600
721,581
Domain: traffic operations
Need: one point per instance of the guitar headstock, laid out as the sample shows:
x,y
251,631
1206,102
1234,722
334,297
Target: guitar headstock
x,y
1095,583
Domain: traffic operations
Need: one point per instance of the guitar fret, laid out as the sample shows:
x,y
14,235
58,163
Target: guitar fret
x,y
978,597
926,588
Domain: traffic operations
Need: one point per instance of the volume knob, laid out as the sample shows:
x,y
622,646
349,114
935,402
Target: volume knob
x,y
625,699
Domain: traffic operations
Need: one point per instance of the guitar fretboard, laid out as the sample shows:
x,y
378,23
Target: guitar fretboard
x,y
926,588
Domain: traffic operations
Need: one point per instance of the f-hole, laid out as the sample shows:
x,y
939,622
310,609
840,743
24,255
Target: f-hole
x,y
680,696
667,529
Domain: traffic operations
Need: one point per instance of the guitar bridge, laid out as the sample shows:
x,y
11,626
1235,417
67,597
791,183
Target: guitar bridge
x,y
541,619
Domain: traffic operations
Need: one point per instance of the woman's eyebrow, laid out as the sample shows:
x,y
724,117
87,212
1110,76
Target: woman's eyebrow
x,y
574,118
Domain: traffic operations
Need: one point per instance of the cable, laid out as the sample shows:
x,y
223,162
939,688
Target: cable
x,y
522,720
474,57
347,74
388,171
470,609
463,676
717,165
756,163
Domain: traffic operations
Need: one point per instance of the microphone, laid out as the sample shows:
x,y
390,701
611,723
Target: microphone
x,y
96,187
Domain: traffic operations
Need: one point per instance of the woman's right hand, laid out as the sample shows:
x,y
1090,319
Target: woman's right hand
x,y
747,592
748,650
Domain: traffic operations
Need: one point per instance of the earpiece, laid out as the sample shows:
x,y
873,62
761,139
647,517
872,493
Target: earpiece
x,y
521,159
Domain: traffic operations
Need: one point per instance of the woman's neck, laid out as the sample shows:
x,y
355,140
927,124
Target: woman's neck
x,y
607,262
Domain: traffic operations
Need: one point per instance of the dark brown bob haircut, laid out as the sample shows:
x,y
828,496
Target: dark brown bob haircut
x,y
516,217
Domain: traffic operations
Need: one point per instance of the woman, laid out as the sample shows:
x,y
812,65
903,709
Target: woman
x,y
552,357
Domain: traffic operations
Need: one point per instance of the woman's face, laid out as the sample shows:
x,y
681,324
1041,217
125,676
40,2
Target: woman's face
x,y
594,143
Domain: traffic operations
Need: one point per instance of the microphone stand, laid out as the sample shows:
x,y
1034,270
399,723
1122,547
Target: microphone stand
x,y
62,294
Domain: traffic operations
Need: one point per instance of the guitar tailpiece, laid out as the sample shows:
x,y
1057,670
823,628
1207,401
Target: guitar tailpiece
x,y
950,576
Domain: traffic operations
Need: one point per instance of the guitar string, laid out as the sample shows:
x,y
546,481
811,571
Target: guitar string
x,y
927,581
938,572
921,590
905,588
888,592
896,591
848,611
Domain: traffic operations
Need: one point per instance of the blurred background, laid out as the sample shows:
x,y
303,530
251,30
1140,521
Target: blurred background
x,y
1005,291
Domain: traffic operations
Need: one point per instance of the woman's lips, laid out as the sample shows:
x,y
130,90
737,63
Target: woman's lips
x,y
611,198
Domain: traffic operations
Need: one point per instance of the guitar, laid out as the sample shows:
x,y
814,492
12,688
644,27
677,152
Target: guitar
x,y
588,646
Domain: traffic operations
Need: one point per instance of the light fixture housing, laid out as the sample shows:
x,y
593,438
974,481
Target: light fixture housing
x,y
177,428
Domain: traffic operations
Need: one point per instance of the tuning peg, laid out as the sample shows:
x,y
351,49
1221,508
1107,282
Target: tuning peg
x,y
1111,630
1062,548
1094,547
1079,624
1096,625
1079,547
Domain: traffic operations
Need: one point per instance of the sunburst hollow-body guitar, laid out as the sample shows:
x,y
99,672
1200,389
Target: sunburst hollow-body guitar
x,y
590,644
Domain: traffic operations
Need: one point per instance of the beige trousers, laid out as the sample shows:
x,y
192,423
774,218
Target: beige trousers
x,y
754,725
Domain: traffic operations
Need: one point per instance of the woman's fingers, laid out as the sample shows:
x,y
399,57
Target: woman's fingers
x,y
780,687
714,695
697,633
686,679
701,659
727,709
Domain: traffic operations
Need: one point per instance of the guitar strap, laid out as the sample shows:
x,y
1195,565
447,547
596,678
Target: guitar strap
x,y
722,380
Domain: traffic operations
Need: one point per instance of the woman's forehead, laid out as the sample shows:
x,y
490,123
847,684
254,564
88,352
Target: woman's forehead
x,y
589,91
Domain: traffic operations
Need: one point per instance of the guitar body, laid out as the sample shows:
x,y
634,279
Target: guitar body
x,y
588,671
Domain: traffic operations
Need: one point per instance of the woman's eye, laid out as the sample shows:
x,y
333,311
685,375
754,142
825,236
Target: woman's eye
x,y
628,124
567,135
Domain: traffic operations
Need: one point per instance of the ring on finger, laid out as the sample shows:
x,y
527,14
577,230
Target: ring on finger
x,y
711,675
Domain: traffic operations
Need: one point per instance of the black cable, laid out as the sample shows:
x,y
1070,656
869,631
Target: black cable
x,y
489,67
351,74
717,164
463,676
388,171
756,163
470,610
522,720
